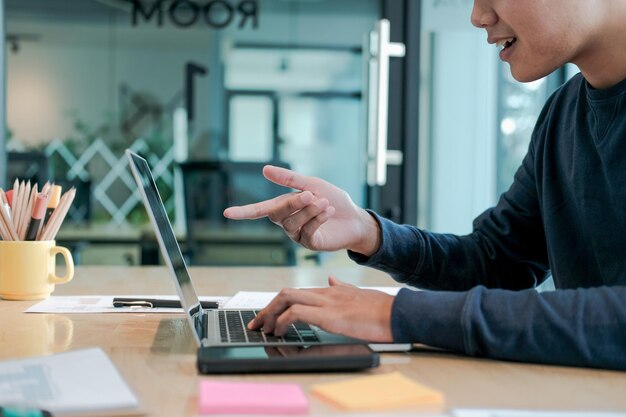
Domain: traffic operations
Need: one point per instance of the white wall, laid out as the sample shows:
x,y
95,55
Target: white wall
x,y
462,131
79,67
459,106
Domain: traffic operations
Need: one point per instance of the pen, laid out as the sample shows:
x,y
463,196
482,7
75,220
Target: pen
x,y
19,411
156,303
53,201
39,210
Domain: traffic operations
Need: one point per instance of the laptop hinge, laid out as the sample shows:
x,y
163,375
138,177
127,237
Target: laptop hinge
x,y
200,322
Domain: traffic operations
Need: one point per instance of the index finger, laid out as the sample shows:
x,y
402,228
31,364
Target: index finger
x,y
264,208
289,178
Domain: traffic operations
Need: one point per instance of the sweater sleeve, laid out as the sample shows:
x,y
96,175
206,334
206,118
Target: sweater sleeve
x,y
507,248
578,327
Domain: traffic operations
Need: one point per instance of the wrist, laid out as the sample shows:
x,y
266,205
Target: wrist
x,y
370,239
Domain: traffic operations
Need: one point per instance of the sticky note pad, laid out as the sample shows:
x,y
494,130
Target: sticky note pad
x,y
378,392
216,397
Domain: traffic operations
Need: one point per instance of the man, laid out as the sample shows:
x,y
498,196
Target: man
x,y
565,214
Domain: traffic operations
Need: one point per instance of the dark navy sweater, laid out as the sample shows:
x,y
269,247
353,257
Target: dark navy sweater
x,y
565,215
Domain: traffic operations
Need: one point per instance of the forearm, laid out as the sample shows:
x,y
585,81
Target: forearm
x,y
582,327
447,262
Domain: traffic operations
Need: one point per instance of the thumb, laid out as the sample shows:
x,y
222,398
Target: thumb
x,y
332,281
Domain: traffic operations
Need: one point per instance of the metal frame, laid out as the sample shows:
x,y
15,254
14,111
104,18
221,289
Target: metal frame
x,y
397,199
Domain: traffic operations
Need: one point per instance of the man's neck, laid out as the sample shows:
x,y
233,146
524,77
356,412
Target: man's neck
x,y
603,63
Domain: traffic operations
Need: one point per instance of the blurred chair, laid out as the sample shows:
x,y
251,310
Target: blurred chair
x,y
28,166
210,187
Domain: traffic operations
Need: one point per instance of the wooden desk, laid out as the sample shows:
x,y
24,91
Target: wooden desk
x,y
156,354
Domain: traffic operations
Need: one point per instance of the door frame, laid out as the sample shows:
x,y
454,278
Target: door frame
x,y
397,199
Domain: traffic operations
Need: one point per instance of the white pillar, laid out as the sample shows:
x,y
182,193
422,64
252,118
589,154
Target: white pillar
x,y
181,153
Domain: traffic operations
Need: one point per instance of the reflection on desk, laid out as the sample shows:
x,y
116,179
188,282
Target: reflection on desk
x,y
156,353
232,244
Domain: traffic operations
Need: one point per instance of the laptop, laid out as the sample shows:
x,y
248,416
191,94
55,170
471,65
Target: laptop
x,y
213,327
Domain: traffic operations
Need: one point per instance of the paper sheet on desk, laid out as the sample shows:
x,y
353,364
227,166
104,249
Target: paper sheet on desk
x,y
82,381
260,299
104,304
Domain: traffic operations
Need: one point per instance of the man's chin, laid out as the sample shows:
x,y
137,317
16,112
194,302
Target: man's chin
x,y
528,75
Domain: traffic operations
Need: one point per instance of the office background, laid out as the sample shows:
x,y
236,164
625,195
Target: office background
x,y
210,105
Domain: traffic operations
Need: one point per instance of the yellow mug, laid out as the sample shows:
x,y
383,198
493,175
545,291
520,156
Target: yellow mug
x,y
28,269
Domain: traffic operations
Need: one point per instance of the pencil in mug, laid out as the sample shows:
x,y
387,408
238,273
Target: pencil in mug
x,y
8,230
22,201
18,193
23,207
26,217
56,219
6,204
4,232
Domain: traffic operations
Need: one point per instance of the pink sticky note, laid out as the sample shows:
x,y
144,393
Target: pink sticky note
x,y
216,397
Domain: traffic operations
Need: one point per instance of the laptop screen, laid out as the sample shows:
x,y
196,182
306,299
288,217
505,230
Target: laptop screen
x,y
165,235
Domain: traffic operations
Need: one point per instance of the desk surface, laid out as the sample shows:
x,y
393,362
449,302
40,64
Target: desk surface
x,y
156,354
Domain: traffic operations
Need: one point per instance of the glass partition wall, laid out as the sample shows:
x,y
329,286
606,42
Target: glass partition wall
x,y
269,81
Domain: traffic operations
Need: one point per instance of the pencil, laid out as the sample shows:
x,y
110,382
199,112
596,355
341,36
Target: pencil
x,y
24,201
4,232
26,219
8,225
56,219
24,194
6,205
13,200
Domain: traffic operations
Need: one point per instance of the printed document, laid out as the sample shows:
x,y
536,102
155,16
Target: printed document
x,y
75,382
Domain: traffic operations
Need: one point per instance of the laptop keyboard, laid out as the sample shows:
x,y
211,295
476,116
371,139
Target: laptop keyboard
x,y
233,329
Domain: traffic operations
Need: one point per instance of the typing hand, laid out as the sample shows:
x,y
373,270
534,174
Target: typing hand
x,y
341,308
319,217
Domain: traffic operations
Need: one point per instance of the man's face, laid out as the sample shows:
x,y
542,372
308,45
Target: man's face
x,y
535,36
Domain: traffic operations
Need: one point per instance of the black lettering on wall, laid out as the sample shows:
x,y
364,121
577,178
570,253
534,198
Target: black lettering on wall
x,y
249,9
184,12
212,16
138,9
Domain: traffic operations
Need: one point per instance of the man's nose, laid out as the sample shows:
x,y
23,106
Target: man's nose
x,y
483,15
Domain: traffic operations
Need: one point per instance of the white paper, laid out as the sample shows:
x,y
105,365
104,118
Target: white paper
x,y
250,299
104,304
81,381
528,413
260,299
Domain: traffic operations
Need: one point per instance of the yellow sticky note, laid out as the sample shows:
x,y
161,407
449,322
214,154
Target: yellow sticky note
x,y
378,392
